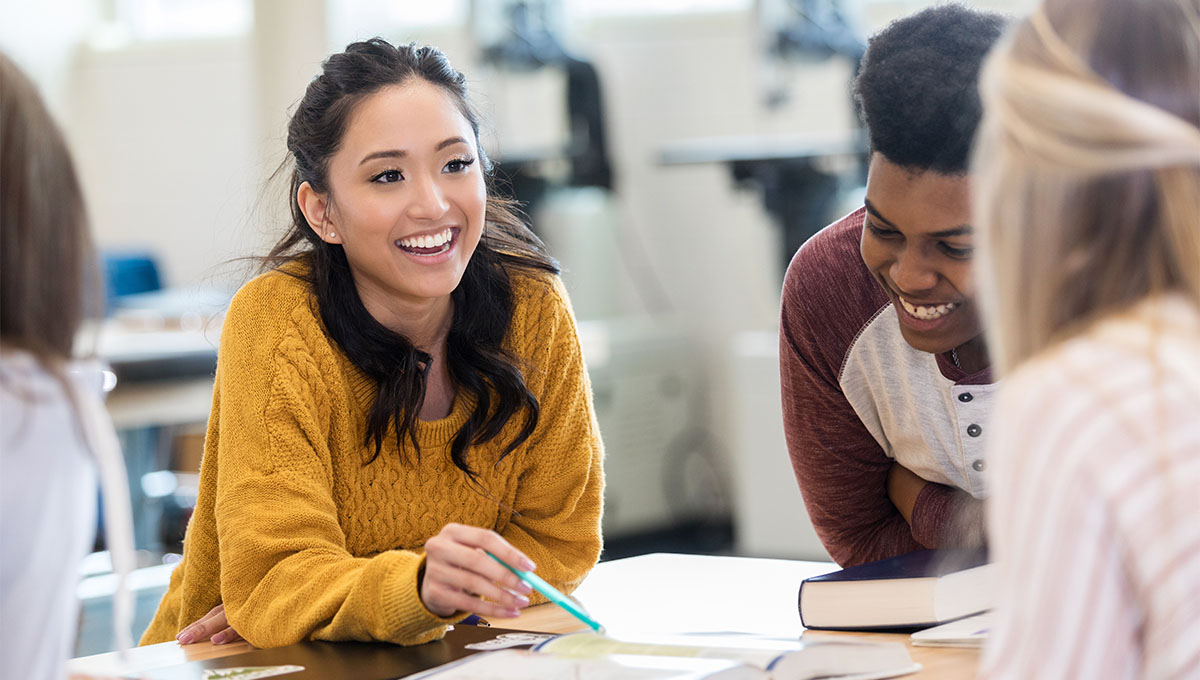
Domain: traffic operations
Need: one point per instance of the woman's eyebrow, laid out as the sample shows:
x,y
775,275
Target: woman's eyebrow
x,y
450,142
389,153
401,153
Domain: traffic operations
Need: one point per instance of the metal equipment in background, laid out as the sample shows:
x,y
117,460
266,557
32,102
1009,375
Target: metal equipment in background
x,y
663,489
518,37
805,31
800,194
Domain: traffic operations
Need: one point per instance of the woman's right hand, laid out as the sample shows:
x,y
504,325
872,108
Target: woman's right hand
x,y
212,626
459,576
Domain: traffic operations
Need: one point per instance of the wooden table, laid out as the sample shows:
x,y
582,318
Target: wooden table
x,y
139,659
715,594
659,593
943,663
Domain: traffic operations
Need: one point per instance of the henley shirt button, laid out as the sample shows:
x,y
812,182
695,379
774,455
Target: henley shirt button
x,y
974,430
978,465
965,397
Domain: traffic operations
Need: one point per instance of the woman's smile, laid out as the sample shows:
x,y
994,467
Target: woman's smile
x,y
425,247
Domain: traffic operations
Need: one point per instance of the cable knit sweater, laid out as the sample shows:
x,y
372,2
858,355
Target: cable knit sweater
x,y
303,540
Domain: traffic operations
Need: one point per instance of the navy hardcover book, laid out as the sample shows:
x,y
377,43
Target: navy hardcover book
x,y
918,589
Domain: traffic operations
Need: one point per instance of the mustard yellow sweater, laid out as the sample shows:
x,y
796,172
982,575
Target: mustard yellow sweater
x,y
301,540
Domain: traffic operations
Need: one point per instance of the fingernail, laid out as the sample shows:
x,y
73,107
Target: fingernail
x,y
184,637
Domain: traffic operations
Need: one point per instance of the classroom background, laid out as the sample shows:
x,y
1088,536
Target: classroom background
x,y
672,153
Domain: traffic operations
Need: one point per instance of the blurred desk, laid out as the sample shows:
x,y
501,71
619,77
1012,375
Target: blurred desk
x,y
162,346
174,402
164,366
649,594
164,377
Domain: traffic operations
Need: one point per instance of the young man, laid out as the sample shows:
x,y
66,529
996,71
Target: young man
x,y
885,377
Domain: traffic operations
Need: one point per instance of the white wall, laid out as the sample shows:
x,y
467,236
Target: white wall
x,y
165,142
42,38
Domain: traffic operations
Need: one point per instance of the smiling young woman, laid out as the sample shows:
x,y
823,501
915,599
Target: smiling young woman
x,y
409,214
406,202
403,390
884,371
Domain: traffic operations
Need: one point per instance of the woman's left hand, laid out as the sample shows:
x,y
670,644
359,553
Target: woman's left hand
x,y
212,626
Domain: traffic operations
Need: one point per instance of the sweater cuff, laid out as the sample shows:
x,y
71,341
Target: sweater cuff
x,y
412,622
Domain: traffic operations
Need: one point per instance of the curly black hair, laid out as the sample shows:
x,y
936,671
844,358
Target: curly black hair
x,y
917,87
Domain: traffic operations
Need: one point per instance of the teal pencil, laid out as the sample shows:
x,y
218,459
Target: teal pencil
x,y
551,594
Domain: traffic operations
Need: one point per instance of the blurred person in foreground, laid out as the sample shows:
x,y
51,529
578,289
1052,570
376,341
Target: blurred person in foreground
x,y
1087,198
55,437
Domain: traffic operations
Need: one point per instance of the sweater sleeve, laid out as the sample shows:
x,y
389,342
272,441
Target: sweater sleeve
x,y
842,471
286,572
559,496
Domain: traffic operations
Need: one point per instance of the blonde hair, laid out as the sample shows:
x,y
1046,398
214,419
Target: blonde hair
x,y
1086,170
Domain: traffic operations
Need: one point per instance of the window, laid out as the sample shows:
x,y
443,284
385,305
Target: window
x,y
174,19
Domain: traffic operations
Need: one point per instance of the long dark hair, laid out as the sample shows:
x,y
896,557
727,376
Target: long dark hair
x,y
483,301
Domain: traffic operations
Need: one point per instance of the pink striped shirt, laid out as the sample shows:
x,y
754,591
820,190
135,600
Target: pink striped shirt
x,y
1094,506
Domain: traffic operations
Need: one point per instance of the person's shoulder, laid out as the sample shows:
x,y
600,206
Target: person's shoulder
x,y
543,324
828,270
277,288
271,298
1047,386
1116,359
1096,395
272,307
831,253
538,292
40,404
21,372
829,295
